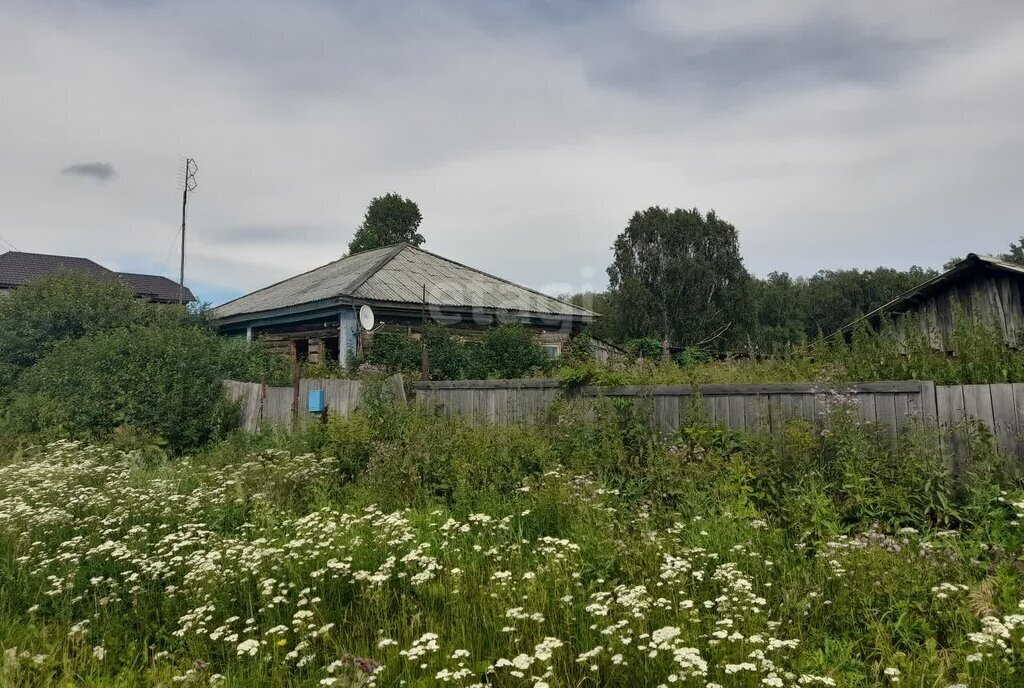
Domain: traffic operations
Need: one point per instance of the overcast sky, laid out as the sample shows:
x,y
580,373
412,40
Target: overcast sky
x,y
831,134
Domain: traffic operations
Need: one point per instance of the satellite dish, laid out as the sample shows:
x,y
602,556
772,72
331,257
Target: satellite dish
x,y
366,317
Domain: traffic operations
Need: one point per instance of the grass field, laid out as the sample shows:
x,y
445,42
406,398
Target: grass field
x,y
399,550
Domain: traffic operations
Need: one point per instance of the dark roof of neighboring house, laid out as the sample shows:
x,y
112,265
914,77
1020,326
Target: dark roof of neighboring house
x,y
397,275
157,287
912,297
18,268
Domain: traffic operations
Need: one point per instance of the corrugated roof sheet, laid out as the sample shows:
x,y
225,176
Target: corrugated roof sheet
x,y
397,274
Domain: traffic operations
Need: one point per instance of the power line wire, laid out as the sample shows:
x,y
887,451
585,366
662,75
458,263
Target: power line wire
x,y
170,249
13,247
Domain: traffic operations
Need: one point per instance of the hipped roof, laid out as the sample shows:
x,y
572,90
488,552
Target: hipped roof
x,y
397,274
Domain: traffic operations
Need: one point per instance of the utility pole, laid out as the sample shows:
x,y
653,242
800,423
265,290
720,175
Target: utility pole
x,y
187,187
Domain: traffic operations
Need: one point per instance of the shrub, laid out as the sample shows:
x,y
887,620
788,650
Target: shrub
x,y
506,351
645,347
395,351
162,380
38,316
448,356
251,362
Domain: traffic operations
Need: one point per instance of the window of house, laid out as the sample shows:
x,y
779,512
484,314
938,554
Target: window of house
x,y
552,350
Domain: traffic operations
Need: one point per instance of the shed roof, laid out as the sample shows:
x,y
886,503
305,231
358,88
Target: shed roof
x,y
911,297
18,268
397,274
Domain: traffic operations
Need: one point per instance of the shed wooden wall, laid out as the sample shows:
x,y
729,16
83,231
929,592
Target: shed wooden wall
x,y
991,297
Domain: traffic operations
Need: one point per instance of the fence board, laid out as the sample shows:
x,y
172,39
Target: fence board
x,y
885,411
951,414
708,405
901,401
866,408
1018,404
277,409
736,418
667,410
775,417
751,412
1004,417
929,402
978,403
793,406
721,410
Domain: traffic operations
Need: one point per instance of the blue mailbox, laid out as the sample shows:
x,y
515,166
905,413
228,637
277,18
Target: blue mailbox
x,y
315,403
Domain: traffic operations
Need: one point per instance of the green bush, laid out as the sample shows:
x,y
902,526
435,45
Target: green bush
x,y
395,351
449,359
506,351
251,362
645,347
38,316
162,380
83,357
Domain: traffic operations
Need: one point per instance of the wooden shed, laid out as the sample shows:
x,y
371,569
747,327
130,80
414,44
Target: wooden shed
x,y
980,288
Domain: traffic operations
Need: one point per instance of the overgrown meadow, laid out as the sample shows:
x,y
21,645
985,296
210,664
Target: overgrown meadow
x,y
400,549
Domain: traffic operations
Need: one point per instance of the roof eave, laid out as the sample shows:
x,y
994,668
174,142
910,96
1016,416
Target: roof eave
x,y
316,308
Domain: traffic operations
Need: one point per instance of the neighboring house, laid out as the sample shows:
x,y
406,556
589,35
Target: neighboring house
x,y
980,288
315,314
18,268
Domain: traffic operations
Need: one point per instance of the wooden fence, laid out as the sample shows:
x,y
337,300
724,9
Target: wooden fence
x,y
890,405
765,407
285,406
740,407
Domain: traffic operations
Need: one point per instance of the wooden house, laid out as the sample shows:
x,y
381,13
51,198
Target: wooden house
x,y
981,289
315,314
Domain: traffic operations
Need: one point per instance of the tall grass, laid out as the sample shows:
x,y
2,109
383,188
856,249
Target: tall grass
x,y
890,351
397,548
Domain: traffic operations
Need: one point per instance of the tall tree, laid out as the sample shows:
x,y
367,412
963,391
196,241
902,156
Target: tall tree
x,y
389,219
678,275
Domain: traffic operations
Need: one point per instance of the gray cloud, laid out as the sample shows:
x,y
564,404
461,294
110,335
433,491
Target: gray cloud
x,y
101,171
831,134
738,69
